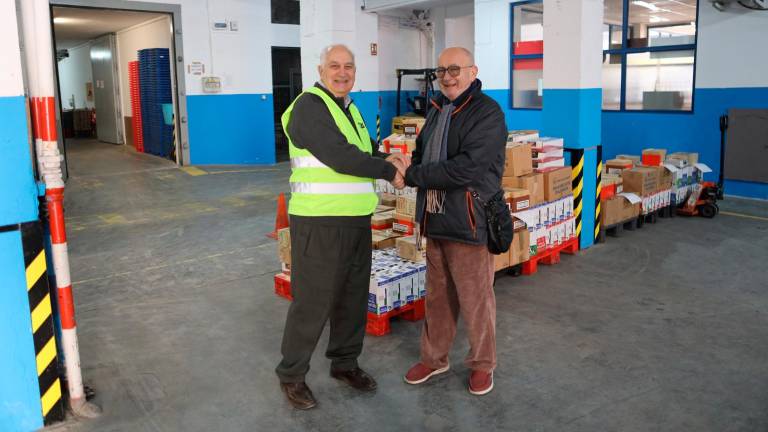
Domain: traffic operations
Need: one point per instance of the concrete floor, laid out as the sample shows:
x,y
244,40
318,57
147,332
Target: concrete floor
x,y
664,329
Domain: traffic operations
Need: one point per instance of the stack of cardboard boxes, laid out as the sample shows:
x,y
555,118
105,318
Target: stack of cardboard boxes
x,y
646,183
394,282
537,187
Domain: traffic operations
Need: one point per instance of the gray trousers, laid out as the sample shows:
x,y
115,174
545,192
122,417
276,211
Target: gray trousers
x,y
330,276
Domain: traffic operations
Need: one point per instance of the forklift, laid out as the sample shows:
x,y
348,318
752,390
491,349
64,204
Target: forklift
x,y
703,199
419,104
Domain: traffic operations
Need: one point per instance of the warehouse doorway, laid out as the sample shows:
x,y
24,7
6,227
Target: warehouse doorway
x,y
286,85
104,50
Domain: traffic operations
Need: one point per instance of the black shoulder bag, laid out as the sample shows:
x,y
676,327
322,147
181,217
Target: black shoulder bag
x,y
498,221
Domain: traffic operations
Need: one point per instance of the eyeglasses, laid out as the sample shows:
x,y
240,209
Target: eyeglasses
x,y
453,70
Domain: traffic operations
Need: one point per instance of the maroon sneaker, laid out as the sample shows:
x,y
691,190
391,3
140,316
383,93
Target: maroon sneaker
x,y
480,382
420,373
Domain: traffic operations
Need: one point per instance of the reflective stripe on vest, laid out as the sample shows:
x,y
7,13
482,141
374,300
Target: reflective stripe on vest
x,y
306,162
332,188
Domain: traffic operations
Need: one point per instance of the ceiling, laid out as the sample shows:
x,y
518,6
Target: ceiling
x,y
381,5
640,12
75,26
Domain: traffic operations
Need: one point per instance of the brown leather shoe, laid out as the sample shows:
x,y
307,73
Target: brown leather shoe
x,y
356,378
299,395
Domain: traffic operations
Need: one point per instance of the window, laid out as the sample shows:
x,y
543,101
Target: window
x,y
527,54
285,11
649,49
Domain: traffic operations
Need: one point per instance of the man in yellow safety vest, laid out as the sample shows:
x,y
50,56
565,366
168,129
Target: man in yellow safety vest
x,y
334,163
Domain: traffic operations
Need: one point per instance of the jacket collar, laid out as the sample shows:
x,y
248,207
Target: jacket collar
x,y
343,102
474,88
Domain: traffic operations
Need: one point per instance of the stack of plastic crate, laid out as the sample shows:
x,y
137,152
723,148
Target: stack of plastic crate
x,y
133,80
155,90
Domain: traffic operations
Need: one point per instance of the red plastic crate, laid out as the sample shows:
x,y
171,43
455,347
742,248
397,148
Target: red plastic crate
x,y
283,286
138,130
550,256
379,325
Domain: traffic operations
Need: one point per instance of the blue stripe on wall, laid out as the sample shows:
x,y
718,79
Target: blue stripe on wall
x,y
516,119
19,392
231,129
697,132
18,193
574,115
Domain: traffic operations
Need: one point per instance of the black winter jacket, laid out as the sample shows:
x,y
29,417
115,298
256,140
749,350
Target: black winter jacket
x,y
477,137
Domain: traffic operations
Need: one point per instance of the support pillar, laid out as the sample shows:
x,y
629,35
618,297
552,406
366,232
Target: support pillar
x,y
573,93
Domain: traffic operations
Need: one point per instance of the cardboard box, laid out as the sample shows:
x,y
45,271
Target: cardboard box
x,y
522,135
653,157
557,183
552,162
636,160
519,251
399,143
618,209
533,183
517,199
640,180
382,220
406,206
284,245
406,249
403,224
500,262
545,152
381,208
388,199
399,123
666,178
518,160
384,239
548,142
616,166
692,158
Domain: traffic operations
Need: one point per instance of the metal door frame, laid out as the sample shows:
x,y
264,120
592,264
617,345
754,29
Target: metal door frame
x,y
182,128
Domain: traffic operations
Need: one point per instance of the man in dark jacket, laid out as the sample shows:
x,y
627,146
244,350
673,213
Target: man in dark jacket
x,y
460,149
333,163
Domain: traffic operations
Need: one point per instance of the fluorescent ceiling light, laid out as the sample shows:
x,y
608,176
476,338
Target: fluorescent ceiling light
x,y
646,5
655,19
67,20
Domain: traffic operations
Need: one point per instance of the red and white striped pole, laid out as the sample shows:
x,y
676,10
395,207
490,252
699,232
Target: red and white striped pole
x,y
38,52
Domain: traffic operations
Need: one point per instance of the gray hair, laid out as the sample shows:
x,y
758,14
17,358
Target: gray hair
x,y
325,51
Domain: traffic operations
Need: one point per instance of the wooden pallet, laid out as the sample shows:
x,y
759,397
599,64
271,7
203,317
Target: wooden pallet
x,y
550,256
616,229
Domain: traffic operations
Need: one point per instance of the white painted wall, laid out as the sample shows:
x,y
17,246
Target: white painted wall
x,y
242,59
731,48
492,42
11,81
327,22
154,33
401,48
74,72
458,29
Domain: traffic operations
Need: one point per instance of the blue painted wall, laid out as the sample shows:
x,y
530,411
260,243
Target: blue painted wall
x,y
698,131
19,392
231,129
18,193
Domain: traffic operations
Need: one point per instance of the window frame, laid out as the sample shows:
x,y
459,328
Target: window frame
x,y
621,52
513,56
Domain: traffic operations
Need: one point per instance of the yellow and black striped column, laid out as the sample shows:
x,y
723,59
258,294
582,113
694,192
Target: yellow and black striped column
x,y
41,310
598,190
577,182
378,129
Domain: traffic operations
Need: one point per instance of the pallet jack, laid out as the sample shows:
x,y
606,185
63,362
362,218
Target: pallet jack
x,y
703,199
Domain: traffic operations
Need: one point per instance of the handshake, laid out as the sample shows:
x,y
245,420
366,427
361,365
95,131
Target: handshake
x,y
401,162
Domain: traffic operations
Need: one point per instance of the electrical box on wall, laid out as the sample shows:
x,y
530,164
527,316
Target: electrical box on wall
x,y
211,84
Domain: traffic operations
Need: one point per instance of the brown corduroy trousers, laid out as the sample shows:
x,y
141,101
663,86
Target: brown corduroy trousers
x,y
459,281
